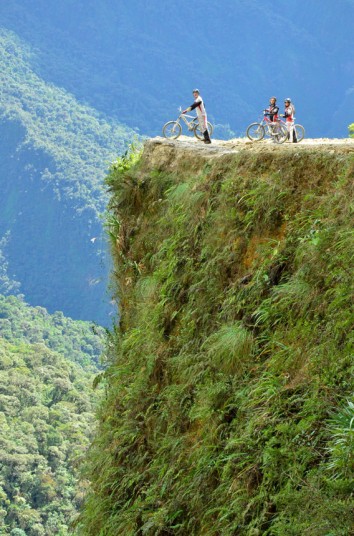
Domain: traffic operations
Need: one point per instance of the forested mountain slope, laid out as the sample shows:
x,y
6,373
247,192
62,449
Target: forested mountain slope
x,y
47,366
138,60
229,405
53,156
75,340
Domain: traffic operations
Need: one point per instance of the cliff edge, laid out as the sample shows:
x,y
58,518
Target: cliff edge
x,y
160,153
229,407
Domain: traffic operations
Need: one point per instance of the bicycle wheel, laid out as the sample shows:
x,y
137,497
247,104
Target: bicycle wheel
x,y
280,133
255,132
172,130
300,132
197,132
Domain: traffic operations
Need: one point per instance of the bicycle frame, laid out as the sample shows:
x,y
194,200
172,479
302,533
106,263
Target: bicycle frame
x,y
271,127
173,129
279,120
256,131
268,124
189,124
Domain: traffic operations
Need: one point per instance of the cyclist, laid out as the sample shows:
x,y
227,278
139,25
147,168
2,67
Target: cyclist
x,y
289,114
198,106
272,110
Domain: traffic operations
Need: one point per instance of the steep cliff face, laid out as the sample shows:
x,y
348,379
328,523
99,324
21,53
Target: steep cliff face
x,y
229,406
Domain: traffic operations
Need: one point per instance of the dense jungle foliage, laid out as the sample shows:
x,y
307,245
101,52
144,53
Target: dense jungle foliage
x,y
47,405
54,155
79,342
229,407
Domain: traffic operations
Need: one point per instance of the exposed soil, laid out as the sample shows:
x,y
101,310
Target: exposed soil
x,y
160,153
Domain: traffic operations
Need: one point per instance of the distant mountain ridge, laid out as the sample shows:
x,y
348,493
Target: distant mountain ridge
x,y
79,141
138,61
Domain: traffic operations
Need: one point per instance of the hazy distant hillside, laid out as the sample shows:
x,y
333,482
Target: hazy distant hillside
x,y
138,61
53,157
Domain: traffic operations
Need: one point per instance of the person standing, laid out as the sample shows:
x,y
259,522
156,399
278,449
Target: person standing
x,y
272,109
272,112
289,114
198,106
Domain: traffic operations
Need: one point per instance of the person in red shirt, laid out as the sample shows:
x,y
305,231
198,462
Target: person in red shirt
x,y
272,110
198,106
289,114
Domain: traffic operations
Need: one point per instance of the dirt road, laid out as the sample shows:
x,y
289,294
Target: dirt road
x,y
161,153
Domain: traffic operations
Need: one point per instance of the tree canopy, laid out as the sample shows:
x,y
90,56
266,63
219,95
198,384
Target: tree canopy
x,y
47,366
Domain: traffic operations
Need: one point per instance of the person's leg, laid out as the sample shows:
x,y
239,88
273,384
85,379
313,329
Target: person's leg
x,y
290,130
203,124
273,131
292,133
206,136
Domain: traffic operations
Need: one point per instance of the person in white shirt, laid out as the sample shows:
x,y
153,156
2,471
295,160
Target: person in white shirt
x,y
198,106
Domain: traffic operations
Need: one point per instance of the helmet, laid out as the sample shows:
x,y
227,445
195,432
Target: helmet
x,y
273,98
195,91
287,100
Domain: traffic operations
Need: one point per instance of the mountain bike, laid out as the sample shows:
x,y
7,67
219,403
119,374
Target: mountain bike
x,y
299,130
275,129
173,129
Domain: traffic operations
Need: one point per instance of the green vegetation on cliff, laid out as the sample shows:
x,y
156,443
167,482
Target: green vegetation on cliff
x,y
229,407
46,416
